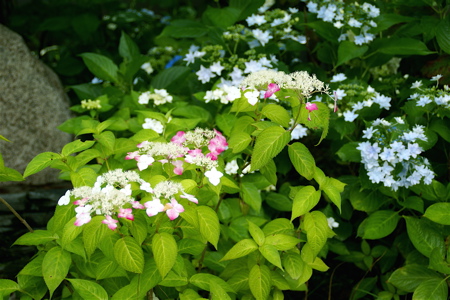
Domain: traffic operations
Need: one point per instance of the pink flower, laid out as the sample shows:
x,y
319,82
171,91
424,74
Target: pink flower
x,y
178,167
126,213
143,144
271,89
173,209
189,197
179,138
81,202
137,205
189,158
154,207
132,155
217,145
310,107
110,222
82,218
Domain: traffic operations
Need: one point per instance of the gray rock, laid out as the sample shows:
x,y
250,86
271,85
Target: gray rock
x,y
32,104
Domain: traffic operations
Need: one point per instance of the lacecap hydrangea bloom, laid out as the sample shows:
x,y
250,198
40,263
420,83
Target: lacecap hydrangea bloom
x,y
391,154
433,98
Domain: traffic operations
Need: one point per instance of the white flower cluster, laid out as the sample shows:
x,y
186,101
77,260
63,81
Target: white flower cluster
x,y
159,97
424,95
91,104
354,20
154,125
366,98
268,25
391,155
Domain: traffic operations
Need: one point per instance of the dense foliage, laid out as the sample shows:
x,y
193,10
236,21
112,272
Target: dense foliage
x,y
245,149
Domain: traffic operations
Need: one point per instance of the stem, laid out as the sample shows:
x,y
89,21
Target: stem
x,y
16,214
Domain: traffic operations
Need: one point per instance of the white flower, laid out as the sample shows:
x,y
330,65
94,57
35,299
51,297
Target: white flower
x,y
350,116
255,19
231,167
204,74
354,23
252,97
332,223
262,36
424,100
64,200
153,124
368,133
299,132
213,176
417,84
338,77
216,68
340,94
144,98
382,101
436,78
147,67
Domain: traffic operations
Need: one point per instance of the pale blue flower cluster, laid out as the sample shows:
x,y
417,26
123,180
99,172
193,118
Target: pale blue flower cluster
x,y
353,19
391,154
426,95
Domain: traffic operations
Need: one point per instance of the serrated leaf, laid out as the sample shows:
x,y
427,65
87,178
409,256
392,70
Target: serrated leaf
x,y
432,289
164,248
443,35
256,233
37,237
241,248
302,160
101,66
93,233
55,267
271,254
70,232
259,282
439,213
239,141
217,291
202,280
409,277
251,195
76,146
268,144
380,224
40,162
89,289
293,264
305,199
282,242
424,236
208,222
34,267
129,255
106,139
316,226
277,114
83,177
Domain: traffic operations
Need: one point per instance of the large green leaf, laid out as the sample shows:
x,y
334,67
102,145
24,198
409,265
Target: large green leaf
x,y
402,46
259,281
305,199
271,254
169,76
317,230
348,50
443,35
40,162
164,248
55,267
424,236
251,195
184,29
380,224
439,213
76,146
129,255
409,277
88,289
302,160
241,248
239,141
37,237
432,289
7,287
101,66
208,222
268,144
93,233
277,114
203,280
127,47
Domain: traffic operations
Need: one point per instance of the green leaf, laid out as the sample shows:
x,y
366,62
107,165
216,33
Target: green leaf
x,y
432,289
380,224
277,114
305,199
83,177
424,236
222,17
282,242
101,66
7,287
251,195
443,35
55,267
190,246
247,7
259,282
302,160
8,174
129,255
170,76
127,47
184,29
203,280
241,248
293,264
317,230
33,286
149,278
348,50
348,152
93,233
271,254
409,277
89,289
40,162
70,232
268,144
402,46
217,292
76,146
439,213
209,224
164,248
239,141
256,233
333,189
35,238
279,225
106,139
34,267
278,201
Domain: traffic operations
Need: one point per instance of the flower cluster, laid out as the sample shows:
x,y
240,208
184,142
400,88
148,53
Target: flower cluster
x,y
111,196
153,124
391,154
353,19
91,104
159,97
200,147
437,98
